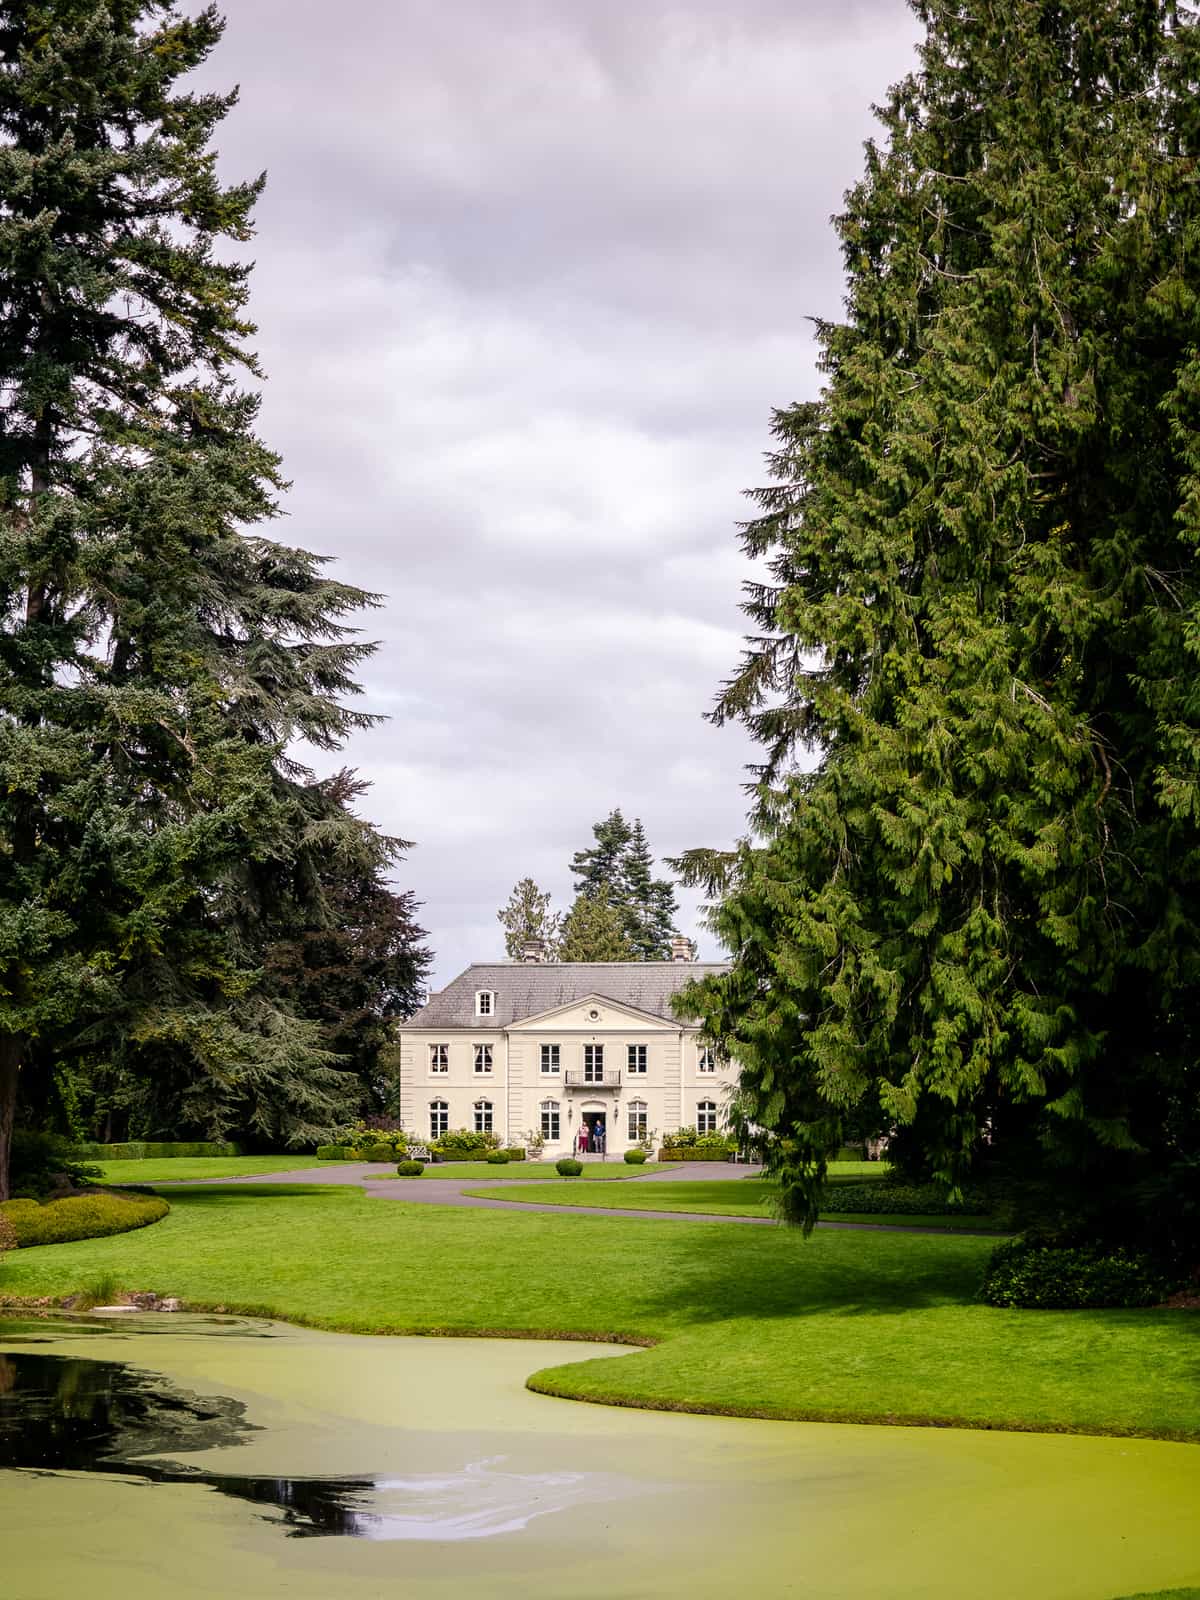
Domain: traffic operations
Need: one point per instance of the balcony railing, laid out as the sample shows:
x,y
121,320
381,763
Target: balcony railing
x,y
592,1080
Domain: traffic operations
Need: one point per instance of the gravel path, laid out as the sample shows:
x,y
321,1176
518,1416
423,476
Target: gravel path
x,y
450,1192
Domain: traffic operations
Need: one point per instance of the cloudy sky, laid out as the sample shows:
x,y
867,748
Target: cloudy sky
x,y
531,275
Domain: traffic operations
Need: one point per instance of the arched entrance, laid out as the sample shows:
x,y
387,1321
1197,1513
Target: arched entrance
x,y
596,1118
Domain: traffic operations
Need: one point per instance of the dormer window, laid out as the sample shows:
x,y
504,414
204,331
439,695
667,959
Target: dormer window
x,y
485,1002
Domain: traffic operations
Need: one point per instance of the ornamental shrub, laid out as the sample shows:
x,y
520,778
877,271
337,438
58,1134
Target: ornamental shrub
x,y
410,1169
465,1144
515,1152
901,1199
332,1152
635,1157
497,1158
82,1216
379,1152
568,1167
361,1136
681,1139
1074,1277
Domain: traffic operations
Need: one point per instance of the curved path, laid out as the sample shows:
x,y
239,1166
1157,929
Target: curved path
x,y
452,1192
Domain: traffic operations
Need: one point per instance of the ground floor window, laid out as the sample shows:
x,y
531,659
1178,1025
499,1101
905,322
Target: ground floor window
x,y
637,1119
706,1116
439,1118
550,1122
483,1116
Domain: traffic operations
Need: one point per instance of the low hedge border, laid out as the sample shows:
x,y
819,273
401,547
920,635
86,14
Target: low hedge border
x,y
147,1150
688,1153
884,1198
80,1216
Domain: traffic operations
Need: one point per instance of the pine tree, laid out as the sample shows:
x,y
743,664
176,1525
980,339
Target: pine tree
x,y
977,919
594,930
648,902
157,652
527,915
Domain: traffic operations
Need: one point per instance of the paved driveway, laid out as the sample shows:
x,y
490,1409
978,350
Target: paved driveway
x,y
450,1192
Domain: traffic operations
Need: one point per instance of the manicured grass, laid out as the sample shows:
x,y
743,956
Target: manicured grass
x,y
752,1197
758,1321
186,1168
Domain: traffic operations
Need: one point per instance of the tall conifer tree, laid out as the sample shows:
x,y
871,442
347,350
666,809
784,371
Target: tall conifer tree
x,y
977,919
157,651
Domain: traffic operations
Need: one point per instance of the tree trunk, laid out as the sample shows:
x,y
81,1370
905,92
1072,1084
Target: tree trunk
x,y
11,1050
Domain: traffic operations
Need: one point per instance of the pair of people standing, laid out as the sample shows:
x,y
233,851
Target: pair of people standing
x,y
590,1139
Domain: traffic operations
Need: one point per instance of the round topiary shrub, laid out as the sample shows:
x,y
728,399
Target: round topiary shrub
x,y
497,1158
635,1157
568,1167
379,1152
410,1169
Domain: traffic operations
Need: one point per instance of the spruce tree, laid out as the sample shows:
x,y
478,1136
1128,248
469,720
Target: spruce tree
x,y
157,652
977,919
527,915
594,930
648,902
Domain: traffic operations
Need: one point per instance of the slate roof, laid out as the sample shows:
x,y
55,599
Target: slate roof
x,y
525,989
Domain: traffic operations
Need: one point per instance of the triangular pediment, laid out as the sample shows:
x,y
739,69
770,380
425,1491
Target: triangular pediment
x,y
595,1013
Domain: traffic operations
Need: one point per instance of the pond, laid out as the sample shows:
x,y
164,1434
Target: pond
x,y
193,1457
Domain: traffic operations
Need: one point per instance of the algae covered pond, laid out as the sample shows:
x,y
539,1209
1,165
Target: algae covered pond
x,y
196,1457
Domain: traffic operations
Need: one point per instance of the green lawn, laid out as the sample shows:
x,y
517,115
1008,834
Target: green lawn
x,y
751,1197
759,1321
182,1169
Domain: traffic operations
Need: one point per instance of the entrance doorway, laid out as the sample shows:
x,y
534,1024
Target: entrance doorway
x,y
596,1123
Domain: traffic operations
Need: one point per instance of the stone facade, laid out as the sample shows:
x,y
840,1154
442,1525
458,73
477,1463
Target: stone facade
x,y
519,1047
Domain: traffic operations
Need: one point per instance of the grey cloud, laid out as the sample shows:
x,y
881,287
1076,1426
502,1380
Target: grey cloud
x,y
531,276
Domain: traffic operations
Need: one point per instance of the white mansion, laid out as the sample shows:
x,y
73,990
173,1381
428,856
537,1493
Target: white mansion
x,y
518,1046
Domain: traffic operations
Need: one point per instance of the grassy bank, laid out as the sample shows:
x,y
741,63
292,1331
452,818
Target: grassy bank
x,y
757,1321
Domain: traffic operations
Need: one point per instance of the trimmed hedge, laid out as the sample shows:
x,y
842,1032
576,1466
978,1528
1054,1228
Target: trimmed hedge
x,y
568,1167
147,1150
515,1152
901,1200
81,1216
1041,1277
497,1158
332,1152
635,1157
687,1152
378,1152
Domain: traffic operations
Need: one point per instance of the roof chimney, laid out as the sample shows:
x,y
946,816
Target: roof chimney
x,y
533,950
682,949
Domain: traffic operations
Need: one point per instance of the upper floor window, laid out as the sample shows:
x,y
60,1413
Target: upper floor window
x,y
593,1063
551,1057
439,1118
483,1116
485,1002
637,1058
637,1119
439,1058
483,1058
550,1121
706,1116
707,1058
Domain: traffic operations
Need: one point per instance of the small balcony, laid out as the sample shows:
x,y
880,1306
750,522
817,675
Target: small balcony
x,y
591,1080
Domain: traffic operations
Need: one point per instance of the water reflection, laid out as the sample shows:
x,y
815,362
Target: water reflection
x,y
73,1414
